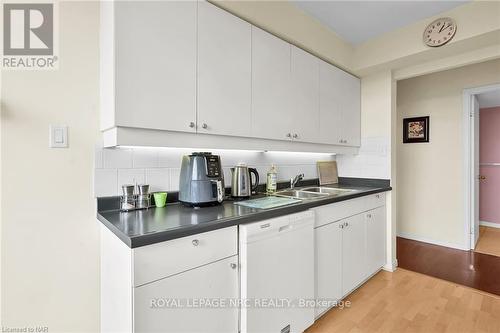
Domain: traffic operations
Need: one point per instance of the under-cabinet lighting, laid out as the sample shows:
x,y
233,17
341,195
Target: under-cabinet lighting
x,y
228,150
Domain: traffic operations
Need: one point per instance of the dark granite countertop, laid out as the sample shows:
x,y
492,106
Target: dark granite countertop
x,y
154,225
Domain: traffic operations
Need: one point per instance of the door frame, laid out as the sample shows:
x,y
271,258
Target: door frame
x,y
469,177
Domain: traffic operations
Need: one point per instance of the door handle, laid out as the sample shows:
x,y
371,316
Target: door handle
x,y
482,177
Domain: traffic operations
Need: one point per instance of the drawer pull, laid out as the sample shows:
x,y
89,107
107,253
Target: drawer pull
x,y
233,265
369,216
377,196
195,242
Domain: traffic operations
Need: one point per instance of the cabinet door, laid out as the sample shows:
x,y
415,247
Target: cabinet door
x,y
224,72
328,265
351,110
305,96
330,96
353,252
155,64
271,88
375,240
156,310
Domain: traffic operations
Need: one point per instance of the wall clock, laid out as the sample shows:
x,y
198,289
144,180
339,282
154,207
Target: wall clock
x,y
439,32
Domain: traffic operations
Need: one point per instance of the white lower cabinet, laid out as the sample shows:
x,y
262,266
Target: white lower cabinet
x,y
192,284
375,239
353,252
175,304
349,245
328,265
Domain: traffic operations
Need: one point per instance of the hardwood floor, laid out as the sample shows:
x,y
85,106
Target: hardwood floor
x,y
475,270
406,301
489,241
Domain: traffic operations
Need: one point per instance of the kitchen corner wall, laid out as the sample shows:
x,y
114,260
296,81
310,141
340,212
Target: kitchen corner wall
x,y
160,167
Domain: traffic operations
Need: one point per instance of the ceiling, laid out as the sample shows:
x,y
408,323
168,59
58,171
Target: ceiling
x,y
358,21
489,99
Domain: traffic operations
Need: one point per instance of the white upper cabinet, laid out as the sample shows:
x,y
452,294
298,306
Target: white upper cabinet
x,y
190,66
330,97
153,82
271,89
351,110
305,96
224,72
340,108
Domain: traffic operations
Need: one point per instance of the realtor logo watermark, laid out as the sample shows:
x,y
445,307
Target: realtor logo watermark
x,y
29,36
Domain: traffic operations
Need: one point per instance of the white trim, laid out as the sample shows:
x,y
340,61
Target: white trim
x,y
391,267
468,175
432,241
489,164
489,224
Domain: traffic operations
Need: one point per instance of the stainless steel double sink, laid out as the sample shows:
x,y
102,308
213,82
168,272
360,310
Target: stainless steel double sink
x,y
311,193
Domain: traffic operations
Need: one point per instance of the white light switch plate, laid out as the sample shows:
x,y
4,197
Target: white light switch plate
x,y
58,136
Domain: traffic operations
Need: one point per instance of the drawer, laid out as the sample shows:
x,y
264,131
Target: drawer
x,y
375,200
341,210
156,261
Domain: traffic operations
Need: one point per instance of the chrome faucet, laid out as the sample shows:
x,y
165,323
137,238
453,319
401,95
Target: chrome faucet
x,y
296,179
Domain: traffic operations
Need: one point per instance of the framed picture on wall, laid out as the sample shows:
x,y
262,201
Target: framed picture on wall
x,y
416,129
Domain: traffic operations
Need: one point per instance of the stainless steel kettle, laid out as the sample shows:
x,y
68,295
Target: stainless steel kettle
x,y
241,181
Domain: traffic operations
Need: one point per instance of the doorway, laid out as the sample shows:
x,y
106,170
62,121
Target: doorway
x,y
482,146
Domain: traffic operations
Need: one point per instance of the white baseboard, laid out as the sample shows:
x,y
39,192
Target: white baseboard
x,y
433,241
391,267
489,224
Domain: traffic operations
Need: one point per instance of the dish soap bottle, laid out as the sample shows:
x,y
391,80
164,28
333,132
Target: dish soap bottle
x,y
272,179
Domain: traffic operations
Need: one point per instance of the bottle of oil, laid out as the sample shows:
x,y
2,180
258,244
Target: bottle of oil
x,y
272,180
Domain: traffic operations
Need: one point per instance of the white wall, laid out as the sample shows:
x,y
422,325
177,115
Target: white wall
x,y
50,239
160,167
430,175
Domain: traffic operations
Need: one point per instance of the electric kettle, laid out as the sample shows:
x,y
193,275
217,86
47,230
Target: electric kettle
x,y
241,181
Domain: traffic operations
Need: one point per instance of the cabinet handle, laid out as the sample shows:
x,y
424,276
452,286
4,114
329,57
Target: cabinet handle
x,y
204,126
377,196
295,136
195,242
289,135
346,224
233,265
369,216
191,124
341,226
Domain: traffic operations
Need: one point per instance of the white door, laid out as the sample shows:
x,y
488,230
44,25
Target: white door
x,y
169,305
305,96
351,110
271,88
328,265
155,57
475,192
353,252
375,240
330,91
224,72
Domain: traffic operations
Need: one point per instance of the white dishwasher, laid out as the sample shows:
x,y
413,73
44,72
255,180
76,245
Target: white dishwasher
x,y
277,274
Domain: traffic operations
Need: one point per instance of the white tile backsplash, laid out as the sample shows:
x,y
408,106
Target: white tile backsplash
x,y
160,167
105,182
144,158
158,179
130,176
117,158
174,179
